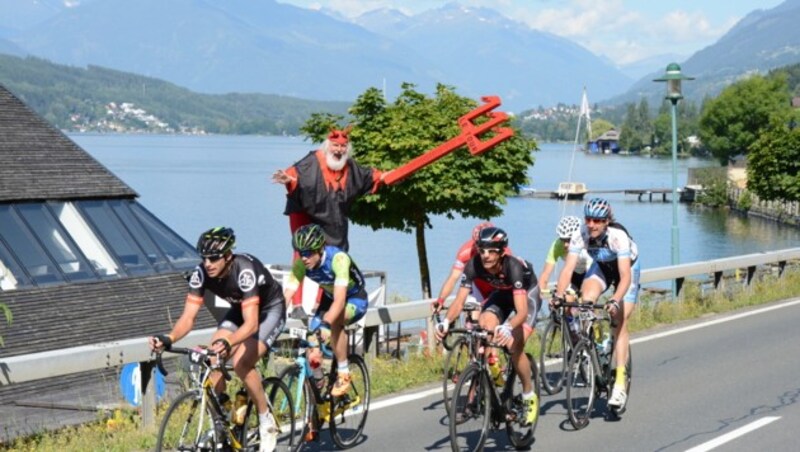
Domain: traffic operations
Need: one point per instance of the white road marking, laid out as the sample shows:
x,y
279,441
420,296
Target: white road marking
x,y
741,431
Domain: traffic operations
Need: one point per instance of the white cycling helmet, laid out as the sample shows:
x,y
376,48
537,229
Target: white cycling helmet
x,y
567,226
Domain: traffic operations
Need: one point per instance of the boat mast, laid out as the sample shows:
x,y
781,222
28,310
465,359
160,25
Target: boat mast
x,y
584,112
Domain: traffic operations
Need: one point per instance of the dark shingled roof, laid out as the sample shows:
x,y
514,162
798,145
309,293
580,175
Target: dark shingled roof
x,y
38,162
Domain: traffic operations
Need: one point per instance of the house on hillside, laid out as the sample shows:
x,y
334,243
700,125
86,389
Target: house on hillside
x,y
81,262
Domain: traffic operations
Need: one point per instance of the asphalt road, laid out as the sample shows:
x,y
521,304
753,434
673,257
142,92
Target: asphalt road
x,y
728,383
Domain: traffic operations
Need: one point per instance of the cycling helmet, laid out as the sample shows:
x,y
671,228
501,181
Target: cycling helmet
x,y
308,238
216,241
567,226
492,237
478,228
597,208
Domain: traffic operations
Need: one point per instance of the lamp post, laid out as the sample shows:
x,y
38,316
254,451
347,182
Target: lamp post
x,y
673,78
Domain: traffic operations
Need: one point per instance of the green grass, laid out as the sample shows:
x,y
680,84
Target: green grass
x,y
121,431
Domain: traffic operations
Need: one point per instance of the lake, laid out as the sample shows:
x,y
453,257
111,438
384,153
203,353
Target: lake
x,y
195,182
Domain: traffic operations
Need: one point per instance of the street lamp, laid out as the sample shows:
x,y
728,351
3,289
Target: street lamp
x,y
673,78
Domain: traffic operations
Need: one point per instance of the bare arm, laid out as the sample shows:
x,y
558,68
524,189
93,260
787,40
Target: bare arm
x,y
544,277
566,274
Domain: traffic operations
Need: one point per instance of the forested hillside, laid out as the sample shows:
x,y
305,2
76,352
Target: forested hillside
x,y
100,99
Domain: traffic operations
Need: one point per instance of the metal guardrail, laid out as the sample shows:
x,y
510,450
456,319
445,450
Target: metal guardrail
x,y
53,363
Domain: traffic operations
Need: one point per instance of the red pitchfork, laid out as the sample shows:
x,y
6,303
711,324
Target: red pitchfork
x,y
469,136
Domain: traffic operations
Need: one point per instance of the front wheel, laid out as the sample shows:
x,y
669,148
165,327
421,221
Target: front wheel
x,y
303,401
470,410
581,385
349,411
185,427
519,431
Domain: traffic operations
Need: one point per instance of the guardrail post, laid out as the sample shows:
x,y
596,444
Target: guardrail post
x,y
148,389
717,280
371,339
429,327
751,271
781,268
678,286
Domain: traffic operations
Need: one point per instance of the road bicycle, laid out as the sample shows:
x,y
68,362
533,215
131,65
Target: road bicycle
x,y
461,350
478,403
557,343
591,372
314,404
199,420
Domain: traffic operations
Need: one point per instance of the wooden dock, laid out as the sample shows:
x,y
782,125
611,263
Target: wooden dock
x,y
642,194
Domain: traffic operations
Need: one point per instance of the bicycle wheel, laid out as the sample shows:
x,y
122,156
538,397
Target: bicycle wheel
x,y
520,433
554,346
349,411
302,401
471,409
613,377
581,385
185,427
454,363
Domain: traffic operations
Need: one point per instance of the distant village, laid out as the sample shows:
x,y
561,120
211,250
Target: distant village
x,y
126,117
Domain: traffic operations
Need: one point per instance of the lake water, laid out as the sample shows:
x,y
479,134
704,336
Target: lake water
x,y
196,182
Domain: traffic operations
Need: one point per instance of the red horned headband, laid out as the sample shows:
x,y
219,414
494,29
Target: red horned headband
x,y
340,136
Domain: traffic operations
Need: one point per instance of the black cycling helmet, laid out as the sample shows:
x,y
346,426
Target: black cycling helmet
x,y
492,237
216,242
308,238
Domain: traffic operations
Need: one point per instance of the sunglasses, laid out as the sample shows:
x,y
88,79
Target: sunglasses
x,y
307,253
489,250
596,220
213,258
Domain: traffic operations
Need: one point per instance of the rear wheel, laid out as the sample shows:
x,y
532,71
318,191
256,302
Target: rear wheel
x,y
581,385
455,362
554,347
349,411
471,409
280,404
185,427
613,376
520,433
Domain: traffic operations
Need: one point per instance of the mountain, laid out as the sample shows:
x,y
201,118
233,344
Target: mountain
x,y
481,51
231,46
16,15
761,41
640,68
268,47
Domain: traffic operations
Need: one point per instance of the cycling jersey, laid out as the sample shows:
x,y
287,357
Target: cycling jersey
x,y
605,250
516,276
335,269
559,251
245,281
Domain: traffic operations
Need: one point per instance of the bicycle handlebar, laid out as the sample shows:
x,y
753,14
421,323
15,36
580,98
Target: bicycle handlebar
x,y
196,355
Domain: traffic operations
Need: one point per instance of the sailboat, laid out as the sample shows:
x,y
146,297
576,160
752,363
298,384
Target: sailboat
x,y
569,189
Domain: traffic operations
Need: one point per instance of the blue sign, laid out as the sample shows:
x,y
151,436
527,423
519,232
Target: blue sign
x,y
130,383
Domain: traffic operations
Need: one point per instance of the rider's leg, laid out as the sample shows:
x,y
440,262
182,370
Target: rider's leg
x,y
520,360
218,383
244,364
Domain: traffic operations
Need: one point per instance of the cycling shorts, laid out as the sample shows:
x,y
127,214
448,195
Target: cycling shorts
x,y
354,310
632,294
271,321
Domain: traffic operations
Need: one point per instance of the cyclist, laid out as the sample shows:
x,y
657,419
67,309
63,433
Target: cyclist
x,y
615,263
467,251
249,328
513,289
344,297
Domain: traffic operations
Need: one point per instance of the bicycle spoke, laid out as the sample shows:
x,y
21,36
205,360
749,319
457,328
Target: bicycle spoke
x,y
471,410
581,386
185,426
349,411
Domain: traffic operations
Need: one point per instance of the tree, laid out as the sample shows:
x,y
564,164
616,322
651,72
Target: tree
x,y
600,126
773,168
733,121
387,135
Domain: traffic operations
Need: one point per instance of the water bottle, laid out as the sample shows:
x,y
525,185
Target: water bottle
x,y
316,371
225,402
495,370
240,407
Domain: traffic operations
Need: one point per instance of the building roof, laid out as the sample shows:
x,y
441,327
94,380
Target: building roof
x,y
38,162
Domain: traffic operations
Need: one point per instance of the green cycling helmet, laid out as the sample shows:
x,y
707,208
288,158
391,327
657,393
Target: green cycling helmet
x,y
308,238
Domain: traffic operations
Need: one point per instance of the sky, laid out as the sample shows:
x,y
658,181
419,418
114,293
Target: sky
x,y
625,31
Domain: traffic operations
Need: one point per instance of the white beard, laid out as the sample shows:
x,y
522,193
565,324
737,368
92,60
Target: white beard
x,y
333,163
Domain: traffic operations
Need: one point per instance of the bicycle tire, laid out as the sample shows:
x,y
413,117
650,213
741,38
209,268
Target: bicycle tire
x,y
520,434
181,427
303,401
628,372
452,337
581,385
349,411
454,363
554,346
471,409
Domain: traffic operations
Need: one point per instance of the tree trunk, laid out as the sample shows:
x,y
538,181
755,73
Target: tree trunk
x,y
422,255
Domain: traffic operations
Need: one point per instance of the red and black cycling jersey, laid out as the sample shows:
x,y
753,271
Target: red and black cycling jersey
x,y
245,281
515,274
